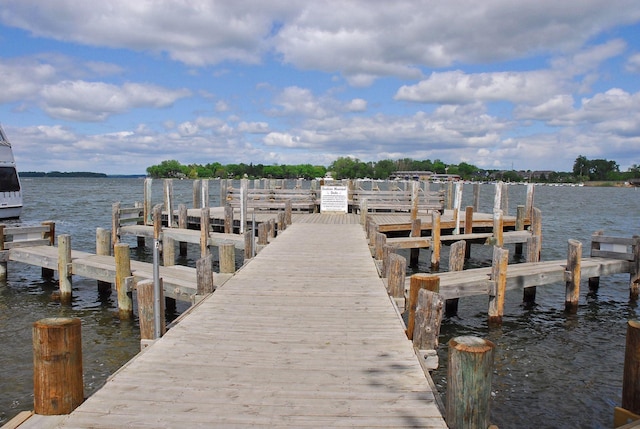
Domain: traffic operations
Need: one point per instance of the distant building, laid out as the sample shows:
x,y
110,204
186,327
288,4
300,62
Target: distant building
x,y
411,175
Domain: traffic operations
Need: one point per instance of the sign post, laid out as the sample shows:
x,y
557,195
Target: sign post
x,y
334,199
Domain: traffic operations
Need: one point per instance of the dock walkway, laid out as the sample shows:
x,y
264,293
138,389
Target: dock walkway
x,y
304,335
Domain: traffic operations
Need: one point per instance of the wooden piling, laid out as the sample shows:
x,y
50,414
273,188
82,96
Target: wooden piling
x,y
435,240
227,254
263,234
533,255
282,224
144,296
103,247
168,251
594,282
469,372
536,228
520,218
147,208
476,197
416,231
115,223
381,240
396,275
427,320
417,282
287,212
183,224
572,276
204,193
57,366
47,273
631,373
468,229
197,204
249,243
123,273
204,275
228,219
3,263
456,263
168,201
498,228
415,199
204,231
634,280
64,267
498,284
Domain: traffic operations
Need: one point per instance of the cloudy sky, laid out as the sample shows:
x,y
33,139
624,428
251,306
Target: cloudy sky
x,y
115,86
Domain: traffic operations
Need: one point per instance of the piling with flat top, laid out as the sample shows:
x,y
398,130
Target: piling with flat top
x,y
182,223
147,208
47,273
520,218
204,274
427,320
228,219
144,296
468,229
572,276
249,242
3,264
469,371
631,374
456,263
64,267
103,247
227,255
381,240
123,272
476,197
416,231
57,366
168,201
498,288
287,212
263,234
396,275
168,251
197,204
498,228
205,219
417,282
634,281
533,255
115,223
435,240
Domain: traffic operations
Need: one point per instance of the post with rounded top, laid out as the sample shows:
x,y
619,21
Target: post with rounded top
x,y
57,365
469,382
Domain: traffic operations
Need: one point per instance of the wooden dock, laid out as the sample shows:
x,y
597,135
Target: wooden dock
x,y
304,335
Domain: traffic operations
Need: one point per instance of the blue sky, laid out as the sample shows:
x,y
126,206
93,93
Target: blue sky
x,y
117,86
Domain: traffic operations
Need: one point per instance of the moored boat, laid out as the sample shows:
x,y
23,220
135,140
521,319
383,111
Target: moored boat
x,y
10,189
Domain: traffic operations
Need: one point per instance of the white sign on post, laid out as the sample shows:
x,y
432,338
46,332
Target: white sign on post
x,y
334,199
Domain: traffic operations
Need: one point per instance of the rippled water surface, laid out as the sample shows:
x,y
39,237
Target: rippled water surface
x,y
552,370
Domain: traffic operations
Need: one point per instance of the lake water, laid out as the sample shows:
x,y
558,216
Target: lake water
x,y
552,370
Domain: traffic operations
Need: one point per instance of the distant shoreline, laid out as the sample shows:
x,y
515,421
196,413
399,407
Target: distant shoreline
x,y
83,174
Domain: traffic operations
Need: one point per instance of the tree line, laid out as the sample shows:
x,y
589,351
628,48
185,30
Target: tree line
x,y
353,168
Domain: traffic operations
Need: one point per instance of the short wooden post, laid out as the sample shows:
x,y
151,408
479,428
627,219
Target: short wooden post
x,y
57,365
386,251
416,231
182,224
263,234
249,242
272,228
147,208
47,273
287,212
204,275
123,273
468,229
572,276
144,296
435,240
456,263
64,267
469,372
228,219
204,231
103,247
397,274
364,211
498,284
196,194
533,255
381,240
631,373
427,320
168,251
417,282
282,222
227,254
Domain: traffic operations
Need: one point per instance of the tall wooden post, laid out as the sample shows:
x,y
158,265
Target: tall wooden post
x,y
227,254
204,193
634,280
456,263
3,263
64,267
416,231
147,208
196,194
498,228
476,197
123,274
204,232
631,374
435,240
457,205
417,282
497,197
144,295
469,382
572,276
498,284
103,247
533,255
536,228
244,194
168,201
427,320
468,229
115,223
57,365
48,273
397,275
415,199
263,234
182,224
228,219
168,251
528,207
249,243
520,218
287,212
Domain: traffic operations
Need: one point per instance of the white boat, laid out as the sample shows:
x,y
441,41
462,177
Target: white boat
x,y
10,190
